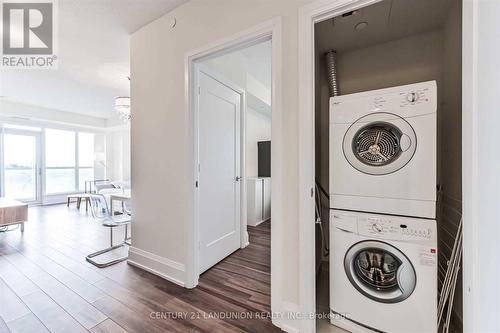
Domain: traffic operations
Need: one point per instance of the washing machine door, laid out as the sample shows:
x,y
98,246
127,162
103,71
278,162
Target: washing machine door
x,y
380,271
379,143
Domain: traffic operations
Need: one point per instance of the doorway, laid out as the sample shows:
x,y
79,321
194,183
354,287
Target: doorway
x,y
265,31
433,46
21,165
233,152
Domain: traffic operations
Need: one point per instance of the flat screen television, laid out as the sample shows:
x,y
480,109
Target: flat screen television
x,y
264,158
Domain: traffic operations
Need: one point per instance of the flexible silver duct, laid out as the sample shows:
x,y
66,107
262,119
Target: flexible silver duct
x,y
331,67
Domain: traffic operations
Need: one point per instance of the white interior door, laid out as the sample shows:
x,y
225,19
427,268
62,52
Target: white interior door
x,y
219,109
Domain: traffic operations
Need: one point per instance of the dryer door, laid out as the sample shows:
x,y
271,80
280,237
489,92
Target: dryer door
x,y
380,271
379,143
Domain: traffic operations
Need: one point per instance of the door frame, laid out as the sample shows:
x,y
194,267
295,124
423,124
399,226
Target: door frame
x,y
242,207
473,197
267,30
38,161
309,15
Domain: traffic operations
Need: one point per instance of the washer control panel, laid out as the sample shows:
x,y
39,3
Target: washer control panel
x,y
396,228
412,97
418,232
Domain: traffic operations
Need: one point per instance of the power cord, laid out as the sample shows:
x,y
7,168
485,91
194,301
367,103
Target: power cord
x,y
319,221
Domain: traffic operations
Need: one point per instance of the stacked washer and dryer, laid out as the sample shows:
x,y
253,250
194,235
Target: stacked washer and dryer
x,y
383,235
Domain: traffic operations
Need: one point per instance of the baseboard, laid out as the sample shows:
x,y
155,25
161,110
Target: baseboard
x,y
284,326
260,222
165,268
245,241
286,319
56,199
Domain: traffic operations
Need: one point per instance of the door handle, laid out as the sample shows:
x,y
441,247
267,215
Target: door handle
x,y
237,178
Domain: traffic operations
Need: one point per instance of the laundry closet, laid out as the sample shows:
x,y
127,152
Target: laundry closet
x,y
388,163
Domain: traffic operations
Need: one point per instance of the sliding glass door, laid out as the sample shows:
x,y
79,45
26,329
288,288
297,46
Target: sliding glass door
x,y
60,162
21,165
43,165
69,161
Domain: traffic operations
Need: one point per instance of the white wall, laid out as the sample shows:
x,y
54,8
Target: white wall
x,y
249,68
118,154
231,66
159,176
481,184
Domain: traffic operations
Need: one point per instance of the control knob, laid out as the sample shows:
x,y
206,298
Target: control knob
x,y
377,227
412,97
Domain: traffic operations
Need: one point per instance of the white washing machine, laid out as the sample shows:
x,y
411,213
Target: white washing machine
x,y
383,273
383,151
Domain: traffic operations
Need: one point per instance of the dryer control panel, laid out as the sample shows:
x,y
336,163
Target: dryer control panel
x,y
415,96
404,101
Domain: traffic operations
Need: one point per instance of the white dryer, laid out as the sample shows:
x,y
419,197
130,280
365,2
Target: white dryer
x,y
383,273
383,150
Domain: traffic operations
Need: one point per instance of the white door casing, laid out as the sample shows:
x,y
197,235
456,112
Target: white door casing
x,y
309,15
479,64
268,30
219,182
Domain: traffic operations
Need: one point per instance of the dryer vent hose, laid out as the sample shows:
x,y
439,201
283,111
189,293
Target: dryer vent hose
x,y
331,67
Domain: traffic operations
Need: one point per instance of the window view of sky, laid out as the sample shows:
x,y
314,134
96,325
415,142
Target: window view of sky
x,y
67,167
20,151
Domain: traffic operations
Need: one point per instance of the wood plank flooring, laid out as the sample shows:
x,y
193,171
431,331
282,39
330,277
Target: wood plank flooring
x,y
47,286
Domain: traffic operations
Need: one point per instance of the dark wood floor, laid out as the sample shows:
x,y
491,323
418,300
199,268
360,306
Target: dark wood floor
x,y
47,286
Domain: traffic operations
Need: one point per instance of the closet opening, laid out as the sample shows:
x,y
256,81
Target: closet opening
x,y
388,167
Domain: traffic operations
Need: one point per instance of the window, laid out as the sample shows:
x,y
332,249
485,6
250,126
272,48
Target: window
x,y
69,160
60,161
20,167
85,159
37,161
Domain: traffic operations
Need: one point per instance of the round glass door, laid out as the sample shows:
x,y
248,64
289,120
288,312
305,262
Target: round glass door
x,y
377,269
379,143
380,271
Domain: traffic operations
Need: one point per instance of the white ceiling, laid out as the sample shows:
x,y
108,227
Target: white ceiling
x,y
93,57
387,20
